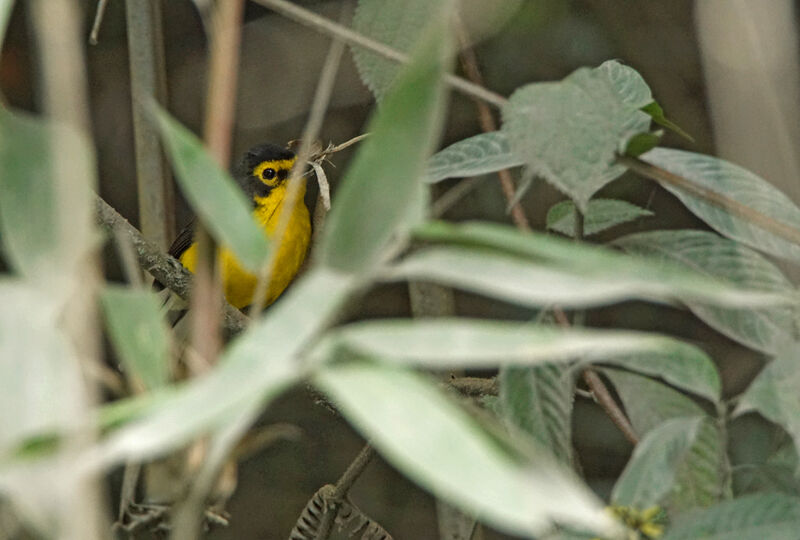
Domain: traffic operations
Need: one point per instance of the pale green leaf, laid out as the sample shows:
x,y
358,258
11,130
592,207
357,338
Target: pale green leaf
x,y
601,214
480,154
423,433
629,86
536,269
137,330
570,132
738,184
773,394
653,467
474,343
717,257
255,368
220,203
383,186
538,400
694,372
6,6
45,220
767,516
702,479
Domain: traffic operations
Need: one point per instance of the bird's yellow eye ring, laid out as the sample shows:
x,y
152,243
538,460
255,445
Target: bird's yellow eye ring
x,y
268,174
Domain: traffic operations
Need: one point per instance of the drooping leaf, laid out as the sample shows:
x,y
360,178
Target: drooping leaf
x,y
738,184
535,269
480,154
702,479
773,394
570,132
473,343
765,516
657,114
45,220
711,255
538,400
601,214
244,376
652,470
383,186
213,194
434,442
138,333
694,372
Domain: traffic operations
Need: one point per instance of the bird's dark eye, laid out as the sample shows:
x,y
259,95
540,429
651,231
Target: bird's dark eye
x,y
268,174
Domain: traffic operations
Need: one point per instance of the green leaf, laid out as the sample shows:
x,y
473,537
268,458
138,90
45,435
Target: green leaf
x,y
40,373
702,479
400,25
601,214
536,269
767,516
570,132
708,254
629,86
254,369
383,185
773,394
694,371
538,400
423,433
6,6
480,154
642,142
653,468
657,114
220,203
45,219
738,184
138,333
470,343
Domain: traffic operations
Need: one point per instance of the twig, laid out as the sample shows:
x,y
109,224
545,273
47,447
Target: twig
x,y
167,270
736,208
98,20
326,26
488,124
342,487
313,126
146,60
603,397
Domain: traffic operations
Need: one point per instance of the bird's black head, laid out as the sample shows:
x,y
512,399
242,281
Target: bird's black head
x,y
263,168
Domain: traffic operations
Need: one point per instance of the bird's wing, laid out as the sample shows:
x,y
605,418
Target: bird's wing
x,y
183,240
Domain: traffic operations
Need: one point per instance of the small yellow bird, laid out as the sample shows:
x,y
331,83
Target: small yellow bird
x,y
262,173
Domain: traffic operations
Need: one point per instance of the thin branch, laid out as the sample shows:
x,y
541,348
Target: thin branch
x,y
98,20
724,202
342,487
326,26
146,60
603,397
167,270
488,124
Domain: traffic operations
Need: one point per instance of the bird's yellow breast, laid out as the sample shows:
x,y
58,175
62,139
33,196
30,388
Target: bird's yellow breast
x,y
239,284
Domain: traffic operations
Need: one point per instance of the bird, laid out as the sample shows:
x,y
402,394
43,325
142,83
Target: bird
x,y
262,173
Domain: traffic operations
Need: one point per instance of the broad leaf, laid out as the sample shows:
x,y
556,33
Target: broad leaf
x,y
383,187
653,468
213,194
767,516
480,154
423,433
738,184
629,86
713,256
244,376
773,394
702,479
601,214
538,400
137,330
570,132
